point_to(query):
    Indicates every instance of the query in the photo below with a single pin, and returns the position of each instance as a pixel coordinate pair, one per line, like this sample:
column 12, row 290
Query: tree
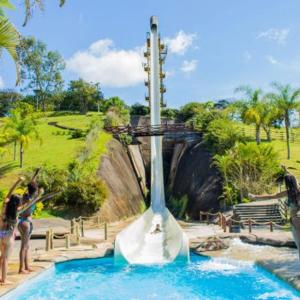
column 41, row 69
column 252, row 108
column 8, row 98
column 170, row 113
column 21, row 128
column 31, row 4
column 287, row 100
column 9, row 36
column 82, row 96
column 138, row 109
column 189, row 110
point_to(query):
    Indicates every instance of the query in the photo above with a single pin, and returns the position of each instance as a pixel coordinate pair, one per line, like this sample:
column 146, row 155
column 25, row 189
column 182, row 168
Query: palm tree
column 269, row 114
column 252, row 108
column 21, row 129
column 287, row 100
column 9, row 36
column 30, row 4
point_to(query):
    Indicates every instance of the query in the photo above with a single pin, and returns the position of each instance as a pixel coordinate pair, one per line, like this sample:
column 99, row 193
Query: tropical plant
column 251, row 108
column 249, row 168
column 21, row 129
column 222, row 134
column 31, row 4
column 9, row 36
column 287, row 101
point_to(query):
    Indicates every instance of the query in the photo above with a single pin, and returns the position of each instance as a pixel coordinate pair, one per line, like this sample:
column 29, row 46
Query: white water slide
column 141, row 242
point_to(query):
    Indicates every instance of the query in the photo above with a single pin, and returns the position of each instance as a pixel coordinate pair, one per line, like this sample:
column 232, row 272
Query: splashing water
column 203, row 278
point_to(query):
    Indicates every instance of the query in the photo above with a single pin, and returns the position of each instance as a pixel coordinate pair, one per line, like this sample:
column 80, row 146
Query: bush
column 222, row 134
column 125, row 139
column 249, row 168
column 87, row 194
column 78, row 133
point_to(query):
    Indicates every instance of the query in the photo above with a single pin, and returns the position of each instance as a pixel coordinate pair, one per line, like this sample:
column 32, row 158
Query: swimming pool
column 204, row 278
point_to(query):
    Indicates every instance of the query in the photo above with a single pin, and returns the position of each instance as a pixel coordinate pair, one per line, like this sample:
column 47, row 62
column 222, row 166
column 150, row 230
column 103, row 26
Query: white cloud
column 181, row 42
column 291, row 65
column 278, row 35
column 112, row 67
column 1, row 83
column 189, row 66
column 272, row 60
column 247, row 55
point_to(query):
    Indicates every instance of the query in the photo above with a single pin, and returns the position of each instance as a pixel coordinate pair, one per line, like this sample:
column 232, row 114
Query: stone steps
column 259, row 212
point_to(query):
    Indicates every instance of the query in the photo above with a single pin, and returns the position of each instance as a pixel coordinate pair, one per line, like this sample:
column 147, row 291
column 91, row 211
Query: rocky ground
column 282, row 260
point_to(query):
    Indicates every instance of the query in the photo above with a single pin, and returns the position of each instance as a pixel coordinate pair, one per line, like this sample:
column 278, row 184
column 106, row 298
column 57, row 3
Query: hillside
column 56, row 147
column 279, row 143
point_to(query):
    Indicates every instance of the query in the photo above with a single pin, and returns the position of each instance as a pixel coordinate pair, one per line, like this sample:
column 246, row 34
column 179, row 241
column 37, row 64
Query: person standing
column 8, row 224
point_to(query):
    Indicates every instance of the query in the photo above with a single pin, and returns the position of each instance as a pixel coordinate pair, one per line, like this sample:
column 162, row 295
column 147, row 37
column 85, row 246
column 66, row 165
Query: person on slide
column 292, row 193
column 25, row 226
column 156, row 230
column 8, row 224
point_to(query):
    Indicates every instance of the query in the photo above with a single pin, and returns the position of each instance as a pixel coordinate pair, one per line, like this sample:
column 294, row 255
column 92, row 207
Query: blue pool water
column 204, row 278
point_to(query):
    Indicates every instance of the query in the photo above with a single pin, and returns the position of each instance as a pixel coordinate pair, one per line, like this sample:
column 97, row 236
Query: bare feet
column 23, row 272
column 6, row 282
column 29, row 270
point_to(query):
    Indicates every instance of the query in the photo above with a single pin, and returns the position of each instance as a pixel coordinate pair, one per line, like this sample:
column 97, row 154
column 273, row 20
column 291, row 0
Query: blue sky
column 214, row 45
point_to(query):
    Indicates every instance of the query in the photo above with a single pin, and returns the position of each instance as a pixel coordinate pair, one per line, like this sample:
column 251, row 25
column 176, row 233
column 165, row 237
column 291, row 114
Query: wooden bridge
column 152, row 130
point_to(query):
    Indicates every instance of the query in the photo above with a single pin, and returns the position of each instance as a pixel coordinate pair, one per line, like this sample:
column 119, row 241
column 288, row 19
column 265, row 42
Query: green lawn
column 55, row 149
column 279, row 143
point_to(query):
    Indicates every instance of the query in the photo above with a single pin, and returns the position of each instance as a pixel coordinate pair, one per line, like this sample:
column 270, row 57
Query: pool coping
column 46, row 260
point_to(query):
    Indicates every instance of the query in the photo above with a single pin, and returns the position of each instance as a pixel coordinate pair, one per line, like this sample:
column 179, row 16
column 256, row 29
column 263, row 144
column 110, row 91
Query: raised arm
column 20, row 179
column 269, row 196
column 36, row 200
column 35, row 174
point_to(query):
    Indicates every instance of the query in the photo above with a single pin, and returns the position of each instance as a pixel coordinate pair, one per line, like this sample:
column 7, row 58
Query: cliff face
column 197, row 178
column 125, row 198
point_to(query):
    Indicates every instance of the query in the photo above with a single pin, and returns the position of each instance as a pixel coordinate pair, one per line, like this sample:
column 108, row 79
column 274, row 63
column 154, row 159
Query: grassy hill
column 279, row 143
column 56, row 147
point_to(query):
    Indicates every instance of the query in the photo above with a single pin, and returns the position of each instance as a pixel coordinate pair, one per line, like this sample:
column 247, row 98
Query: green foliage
column 138, row 109
column 178, row 206
column 170, row 113
column 189, row 110
column 222, row 134
column 287, row 99
column 21, row 127
column 201, row 120
column 86, row 194
column 9, row 36
column 41, row 69
column 81, row 96
column 248, row 168
column 125, row 139
column 78, row 133
column 8, row 99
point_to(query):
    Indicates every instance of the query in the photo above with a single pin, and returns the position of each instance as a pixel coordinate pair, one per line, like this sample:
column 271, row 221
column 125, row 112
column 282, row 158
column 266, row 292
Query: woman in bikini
column 25, row 226
column 292, row 193
column 8, row 224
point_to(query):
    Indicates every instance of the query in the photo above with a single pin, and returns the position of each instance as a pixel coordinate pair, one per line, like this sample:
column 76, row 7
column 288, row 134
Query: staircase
column 260, row 211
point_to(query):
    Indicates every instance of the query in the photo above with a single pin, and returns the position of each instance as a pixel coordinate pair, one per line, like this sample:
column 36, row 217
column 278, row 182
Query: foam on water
column 203, row 278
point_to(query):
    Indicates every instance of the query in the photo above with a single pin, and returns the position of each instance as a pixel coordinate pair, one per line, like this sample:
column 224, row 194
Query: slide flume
column 139, row 244
column 155, row 237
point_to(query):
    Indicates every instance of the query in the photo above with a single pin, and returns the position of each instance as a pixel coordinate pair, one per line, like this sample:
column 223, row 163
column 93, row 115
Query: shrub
column 125, row 139
column 87, row 194
column 78, row 133
column 222, row 134
column 249, row 168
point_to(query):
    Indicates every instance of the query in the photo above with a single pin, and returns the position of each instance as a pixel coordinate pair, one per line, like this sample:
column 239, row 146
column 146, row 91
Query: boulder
column 197, row 178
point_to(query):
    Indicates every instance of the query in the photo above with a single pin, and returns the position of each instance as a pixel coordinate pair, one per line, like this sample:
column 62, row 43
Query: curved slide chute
column 139, row 244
